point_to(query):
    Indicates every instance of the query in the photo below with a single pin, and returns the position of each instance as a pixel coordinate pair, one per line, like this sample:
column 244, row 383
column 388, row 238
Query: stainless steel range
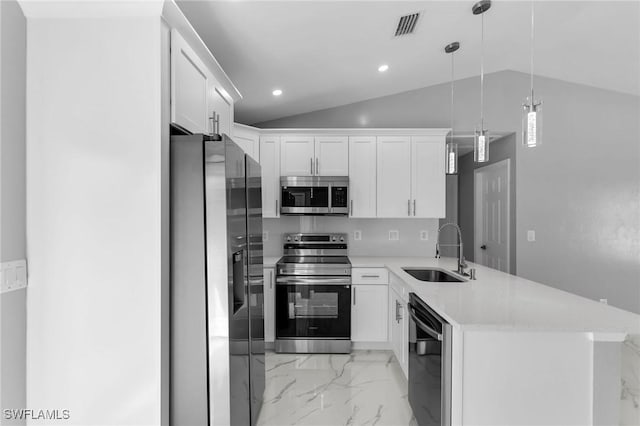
column 313, row 295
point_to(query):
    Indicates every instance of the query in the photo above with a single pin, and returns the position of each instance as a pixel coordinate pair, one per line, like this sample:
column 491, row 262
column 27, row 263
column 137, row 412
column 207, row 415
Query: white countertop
column 270, row 261
column 500, row 301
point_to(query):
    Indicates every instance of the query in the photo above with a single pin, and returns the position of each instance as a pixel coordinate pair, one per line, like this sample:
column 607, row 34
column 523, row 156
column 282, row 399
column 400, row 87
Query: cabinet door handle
column 276, row 207
column 311, row 165
column 271, row 282
column 408, row 207
column 414, row 207
column 354, row 296
column 370, row 276
column 351, row 208
column 215, row 122
column 317, row 166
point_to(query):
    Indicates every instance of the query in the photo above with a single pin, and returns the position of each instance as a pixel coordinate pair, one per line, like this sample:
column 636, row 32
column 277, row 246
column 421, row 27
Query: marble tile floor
column 361, row 388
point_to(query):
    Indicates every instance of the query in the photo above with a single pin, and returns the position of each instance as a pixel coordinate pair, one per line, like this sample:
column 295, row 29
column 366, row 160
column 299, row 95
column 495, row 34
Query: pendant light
column 481, row 139
column 451, row 164
column 532, row 109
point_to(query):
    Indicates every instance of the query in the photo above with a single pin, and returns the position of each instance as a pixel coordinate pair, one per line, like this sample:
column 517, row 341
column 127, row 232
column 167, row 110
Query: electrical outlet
column 394, row 235
column 265, row 236
column 424, row 235
column 531, row 235
column 605, row 301
column 357, row 235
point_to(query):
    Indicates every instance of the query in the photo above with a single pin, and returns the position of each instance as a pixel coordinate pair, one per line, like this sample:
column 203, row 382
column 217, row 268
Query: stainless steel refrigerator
column 217, row 372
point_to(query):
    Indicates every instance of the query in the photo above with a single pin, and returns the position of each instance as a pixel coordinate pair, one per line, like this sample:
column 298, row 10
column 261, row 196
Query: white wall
column 94, row 161
column 13, row 314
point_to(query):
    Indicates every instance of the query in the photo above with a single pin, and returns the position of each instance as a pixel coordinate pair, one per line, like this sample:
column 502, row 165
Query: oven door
column 313, row 307
column 304, row 200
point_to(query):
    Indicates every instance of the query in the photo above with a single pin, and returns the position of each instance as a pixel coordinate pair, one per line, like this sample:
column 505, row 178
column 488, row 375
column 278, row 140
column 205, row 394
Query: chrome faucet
column 461, row 262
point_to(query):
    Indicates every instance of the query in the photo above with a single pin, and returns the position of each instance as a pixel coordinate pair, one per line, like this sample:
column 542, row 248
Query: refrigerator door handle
column 238, row 280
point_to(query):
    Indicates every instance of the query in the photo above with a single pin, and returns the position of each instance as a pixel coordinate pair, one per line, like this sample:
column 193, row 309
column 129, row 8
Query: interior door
column 332, row 156
column 394, row 176
column 492, row 209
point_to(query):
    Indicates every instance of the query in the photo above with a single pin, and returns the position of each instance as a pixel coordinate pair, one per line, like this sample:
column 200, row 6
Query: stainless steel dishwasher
column 429, row 365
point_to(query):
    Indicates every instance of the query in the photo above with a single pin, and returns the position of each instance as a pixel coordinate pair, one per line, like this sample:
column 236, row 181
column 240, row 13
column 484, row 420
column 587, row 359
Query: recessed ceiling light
column 277, row 92
column 383, row 68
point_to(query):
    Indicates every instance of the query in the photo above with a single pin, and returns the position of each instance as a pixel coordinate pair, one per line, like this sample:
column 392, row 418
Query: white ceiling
column 326, row 53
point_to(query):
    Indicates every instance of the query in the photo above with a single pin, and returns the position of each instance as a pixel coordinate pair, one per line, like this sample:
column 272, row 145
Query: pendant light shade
column 532, row 108
column 481, row 138
column 451, row 154
column 481, row 146
column 452, row 158
column 531, row 122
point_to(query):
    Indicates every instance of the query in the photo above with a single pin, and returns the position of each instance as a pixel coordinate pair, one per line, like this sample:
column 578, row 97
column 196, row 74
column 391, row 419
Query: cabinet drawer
column 370, row 276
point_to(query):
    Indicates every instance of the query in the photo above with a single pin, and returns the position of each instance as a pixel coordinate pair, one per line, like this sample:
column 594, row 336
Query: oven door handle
column 288, row 280
column 424, row 327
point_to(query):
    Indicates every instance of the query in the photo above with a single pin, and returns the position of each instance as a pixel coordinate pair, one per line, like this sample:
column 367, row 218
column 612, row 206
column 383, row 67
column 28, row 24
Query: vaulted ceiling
column 326, row 53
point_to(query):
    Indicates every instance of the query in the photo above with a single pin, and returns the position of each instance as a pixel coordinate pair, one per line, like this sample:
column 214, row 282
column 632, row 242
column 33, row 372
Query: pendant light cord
column 532, row 38
column 452, row 71
column 482, row 75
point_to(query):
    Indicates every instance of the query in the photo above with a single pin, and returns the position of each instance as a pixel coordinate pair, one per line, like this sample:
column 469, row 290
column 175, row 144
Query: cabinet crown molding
column 91, row 9
column 372, row 131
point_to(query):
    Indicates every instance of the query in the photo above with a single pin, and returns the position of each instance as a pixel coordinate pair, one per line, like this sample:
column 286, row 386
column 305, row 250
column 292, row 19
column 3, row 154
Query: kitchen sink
column 432, row 275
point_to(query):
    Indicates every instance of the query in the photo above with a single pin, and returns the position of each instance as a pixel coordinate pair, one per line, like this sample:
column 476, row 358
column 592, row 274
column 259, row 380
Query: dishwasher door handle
column 424, row 327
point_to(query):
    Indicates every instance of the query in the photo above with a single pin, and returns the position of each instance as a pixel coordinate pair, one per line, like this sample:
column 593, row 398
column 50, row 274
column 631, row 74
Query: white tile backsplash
column 375, row 234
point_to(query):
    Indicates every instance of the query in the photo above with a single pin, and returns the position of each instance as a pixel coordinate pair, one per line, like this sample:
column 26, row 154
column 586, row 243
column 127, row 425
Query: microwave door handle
column 420, row 324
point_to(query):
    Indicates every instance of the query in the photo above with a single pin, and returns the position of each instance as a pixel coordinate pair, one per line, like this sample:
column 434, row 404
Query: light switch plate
column 357, row 235
column 265, row 236
column 531, row 235
column 424, row 235
column 394, row 235
column 13, row 275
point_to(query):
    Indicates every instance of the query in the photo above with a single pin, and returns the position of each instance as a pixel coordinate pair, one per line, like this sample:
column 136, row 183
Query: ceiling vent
column 407, row 24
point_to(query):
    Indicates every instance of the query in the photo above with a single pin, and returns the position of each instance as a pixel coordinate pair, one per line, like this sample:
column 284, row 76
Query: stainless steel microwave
column 314, row 195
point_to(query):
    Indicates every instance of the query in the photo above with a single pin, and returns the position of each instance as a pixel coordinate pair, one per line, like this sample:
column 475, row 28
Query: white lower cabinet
column 399, row 328
column 369, row 312
column 269, row 305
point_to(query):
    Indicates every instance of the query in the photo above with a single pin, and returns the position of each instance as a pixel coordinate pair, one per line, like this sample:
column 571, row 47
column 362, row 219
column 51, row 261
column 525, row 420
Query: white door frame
column 477, row 207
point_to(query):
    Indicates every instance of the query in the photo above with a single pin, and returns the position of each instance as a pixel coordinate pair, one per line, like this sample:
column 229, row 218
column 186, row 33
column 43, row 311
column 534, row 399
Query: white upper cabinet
column 314, row 156
column 218, row 103
column 270, row 165
column 248, row 138
column 196, row 95
column 331, row 156
column 394, row 176
column 297, row 156
column 362, row 176
column 189, row 85
column 428, row 184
